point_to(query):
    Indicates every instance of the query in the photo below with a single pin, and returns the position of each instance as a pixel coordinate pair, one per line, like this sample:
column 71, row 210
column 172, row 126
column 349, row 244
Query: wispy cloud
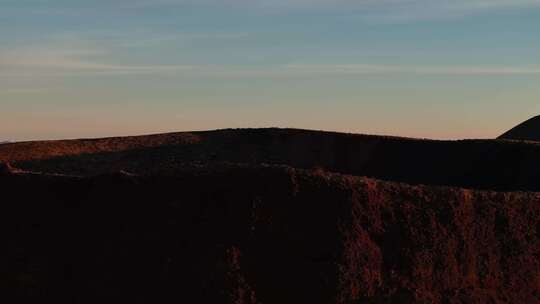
column 359, row 3
column 386, row 9
column 369, row 10
column 404, row 11
column 58, row 62
column 371, row 69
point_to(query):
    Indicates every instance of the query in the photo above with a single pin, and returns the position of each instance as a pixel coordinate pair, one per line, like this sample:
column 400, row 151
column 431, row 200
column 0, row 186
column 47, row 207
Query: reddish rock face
column 264, row 234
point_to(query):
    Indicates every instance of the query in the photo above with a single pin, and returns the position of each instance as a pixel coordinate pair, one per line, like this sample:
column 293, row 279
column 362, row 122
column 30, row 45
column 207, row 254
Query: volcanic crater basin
column 198, row 218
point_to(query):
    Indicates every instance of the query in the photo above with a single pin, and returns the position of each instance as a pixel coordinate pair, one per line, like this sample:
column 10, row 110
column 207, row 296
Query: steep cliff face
column 263, row 234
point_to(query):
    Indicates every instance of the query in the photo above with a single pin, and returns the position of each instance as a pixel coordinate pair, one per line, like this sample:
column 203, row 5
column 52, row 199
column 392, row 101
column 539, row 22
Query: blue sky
column 418, row 68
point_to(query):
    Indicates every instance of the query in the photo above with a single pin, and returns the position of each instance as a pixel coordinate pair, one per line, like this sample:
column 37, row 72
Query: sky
column 436, row 69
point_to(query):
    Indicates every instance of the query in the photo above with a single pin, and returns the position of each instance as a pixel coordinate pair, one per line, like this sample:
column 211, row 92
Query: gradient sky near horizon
column 418, row 68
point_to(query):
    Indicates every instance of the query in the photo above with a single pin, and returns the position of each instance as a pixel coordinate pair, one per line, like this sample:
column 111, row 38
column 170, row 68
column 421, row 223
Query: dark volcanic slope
column 268, row 235
column 483, row 164
column 210, row 217
column 528, row 130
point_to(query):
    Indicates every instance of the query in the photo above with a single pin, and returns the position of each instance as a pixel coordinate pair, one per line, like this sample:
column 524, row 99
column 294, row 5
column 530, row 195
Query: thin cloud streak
column 371, row 11
column 371, row 8
column 50, row 62
column 370, row 69
column 55, row 61
column 334, row 3
column 368, row 11
column 400, row 12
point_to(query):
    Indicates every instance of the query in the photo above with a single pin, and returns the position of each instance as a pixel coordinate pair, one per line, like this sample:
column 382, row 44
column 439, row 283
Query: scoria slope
column 263, row 234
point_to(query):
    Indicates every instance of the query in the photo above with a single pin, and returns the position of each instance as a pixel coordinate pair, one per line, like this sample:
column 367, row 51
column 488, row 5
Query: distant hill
column 528, row 130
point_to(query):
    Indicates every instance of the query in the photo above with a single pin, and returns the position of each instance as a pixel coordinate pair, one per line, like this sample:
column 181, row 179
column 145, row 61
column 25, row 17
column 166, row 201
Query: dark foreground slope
column 528, row 130
column 272, row 235
column 481, row 164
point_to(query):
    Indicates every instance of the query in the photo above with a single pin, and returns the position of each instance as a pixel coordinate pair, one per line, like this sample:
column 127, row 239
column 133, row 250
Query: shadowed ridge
column 528, row 130
column 480, row 164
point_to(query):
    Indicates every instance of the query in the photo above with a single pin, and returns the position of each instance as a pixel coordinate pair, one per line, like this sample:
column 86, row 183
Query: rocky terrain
column 270, row 216
column 481, row 164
